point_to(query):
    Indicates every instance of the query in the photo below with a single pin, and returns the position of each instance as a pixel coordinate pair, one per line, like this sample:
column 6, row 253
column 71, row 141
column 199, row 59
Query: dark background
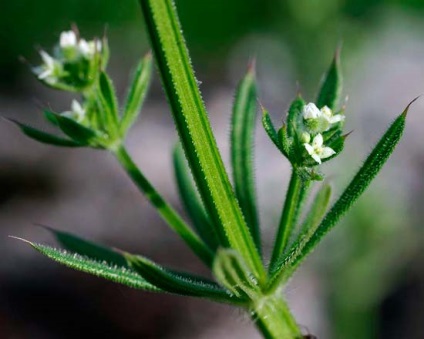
column 367, row 280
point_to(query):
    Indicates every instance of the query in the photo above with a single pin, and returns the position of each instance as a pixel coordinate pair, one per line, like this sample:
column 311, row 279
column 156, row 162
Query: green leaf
column 86, row 248
column 51, row 117
column 76, row 131
column 242, row 143
column 232, row 272
column 294, row 120
column 191, row 200
column 180, row 283
column 108, row 104
column 78, row 262
column 317, row 210
column 44, row 137
column 371, row 167
column 269, row 128
column 331, row 87
column 195, row 131
column 137, row 93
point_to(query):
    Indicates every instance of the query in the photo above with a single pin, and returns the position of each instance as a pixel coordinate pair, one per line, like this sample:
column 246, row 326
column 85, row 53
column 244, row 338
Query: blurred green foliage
column 310, row 29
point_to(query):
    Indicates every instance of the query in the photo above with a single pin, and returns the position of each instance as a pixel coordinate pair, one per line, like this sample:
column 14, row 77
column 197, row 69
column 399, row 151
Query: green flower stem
column 165, row 210
column 288, row 216
column 274, row 319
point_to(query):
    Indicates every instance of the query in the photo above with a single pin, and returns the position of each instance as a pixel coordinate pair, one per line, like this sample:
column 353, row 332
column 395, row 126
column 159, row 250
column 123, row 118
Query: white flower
column 317, row 150
column 88, row 49
column 311, row 111
column 328, row 114
column 77, row 112
column 49, row 69
column 68, row 39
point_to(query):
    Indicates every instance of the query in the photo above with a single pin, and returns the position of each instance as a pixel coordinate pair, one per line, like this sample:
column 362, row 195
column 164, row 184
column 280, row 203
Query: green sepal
column 243, row 123
column 269, row 128
column 87, row 248
column 371, row 167
column 108, row 104
column 232, row 272
column 331, row 87
column 136, row 93
column 191, row 200
column 121, row 275
column 180, row 283
column 44, row 137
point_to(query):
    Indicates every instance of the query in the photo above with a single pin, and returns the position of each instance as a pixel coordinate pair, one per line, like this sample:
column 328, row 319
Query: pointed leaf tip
column 21, row 239
column 251, row 67
column 347, row 134
column 405, row 112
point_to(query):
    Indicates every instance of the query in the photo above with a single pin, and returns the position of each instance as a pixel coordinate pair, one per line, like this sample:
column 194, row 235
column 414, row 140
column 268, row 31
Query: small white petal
column 318, row 141
column 309, row 148
column 311, row 111
column 84, row 47
column 327, row 152
column 68, row 39
column 316, row 158
column 336, row 118
column 47, row 59
column 43, row 75
column 76, row 107
column 326, row 112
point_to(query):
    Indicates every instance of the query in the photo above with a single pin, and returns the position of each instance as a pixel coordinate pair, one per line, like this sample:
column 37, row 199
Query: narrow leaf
column 316, row 212
column 51, row 117
column 195, row 131
column 232, row 272
column 191, row 200
column 44, row 137
column 371, row 167
column 269, row 128
column 180, row 283
column 78, row 262
column 76, row 131
column 86, row 248
column 242, row 143
column 294, row 119
column 331, row 87
column 136, row 93
column 108, row 104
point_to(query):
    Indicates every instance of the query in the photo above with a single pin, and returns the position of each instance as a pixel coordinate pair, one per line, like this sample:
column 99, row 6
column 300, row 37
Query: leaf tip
column 21, row 239
column 251, row 67
column 405, row 112
column 347, row 134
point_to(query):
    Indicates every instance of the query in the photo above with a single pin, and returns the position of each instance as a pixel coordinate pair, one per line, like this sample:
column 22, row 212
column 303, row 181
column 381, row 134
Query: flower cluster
column 318, row 121
column 74, row 64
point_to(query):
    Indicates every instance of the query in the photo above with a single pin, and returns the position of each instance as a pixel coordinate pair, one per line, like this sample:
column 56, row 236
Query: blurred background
column 365, row 281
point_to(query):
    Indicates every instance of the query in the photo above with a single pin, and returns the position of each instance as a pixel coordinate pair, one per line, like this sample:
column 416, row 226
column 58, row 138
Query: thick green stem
column 274, row 319
column 165, row 210
column 288, row 216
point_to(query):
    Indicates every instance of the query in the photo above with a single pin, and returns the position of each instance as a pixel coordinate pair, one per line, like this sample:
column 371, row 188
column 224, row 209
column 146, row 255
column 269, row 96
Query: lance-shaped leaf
column 76, row 131
column 242, row 144
column 269, row 128
column 317, row 210
column 191, row 200
column 195, row 131
column 180, row 283
column 44, row 137
column 121, row 275
column 371, row 167
column 232, row 272
column 294, row 120
column 331, row 86
column 136, row 93
column 108, row 104
column 87, row 248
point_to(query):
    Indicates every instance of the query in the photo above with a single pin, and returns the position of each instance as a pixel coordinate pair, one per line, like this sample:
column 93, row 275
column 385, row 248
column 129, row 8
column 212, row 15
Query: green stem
column 274, row 319
column 165, row 210
column 288, row 216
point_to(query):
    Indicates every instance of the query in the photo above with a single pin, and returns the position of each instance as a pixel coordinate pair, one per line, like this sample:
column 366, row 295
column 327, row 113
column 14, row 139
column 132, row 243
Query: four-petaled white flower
column 320, row 120
column 68, row 39
column 77, row 112
column 317, row 150
column 49, row 69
